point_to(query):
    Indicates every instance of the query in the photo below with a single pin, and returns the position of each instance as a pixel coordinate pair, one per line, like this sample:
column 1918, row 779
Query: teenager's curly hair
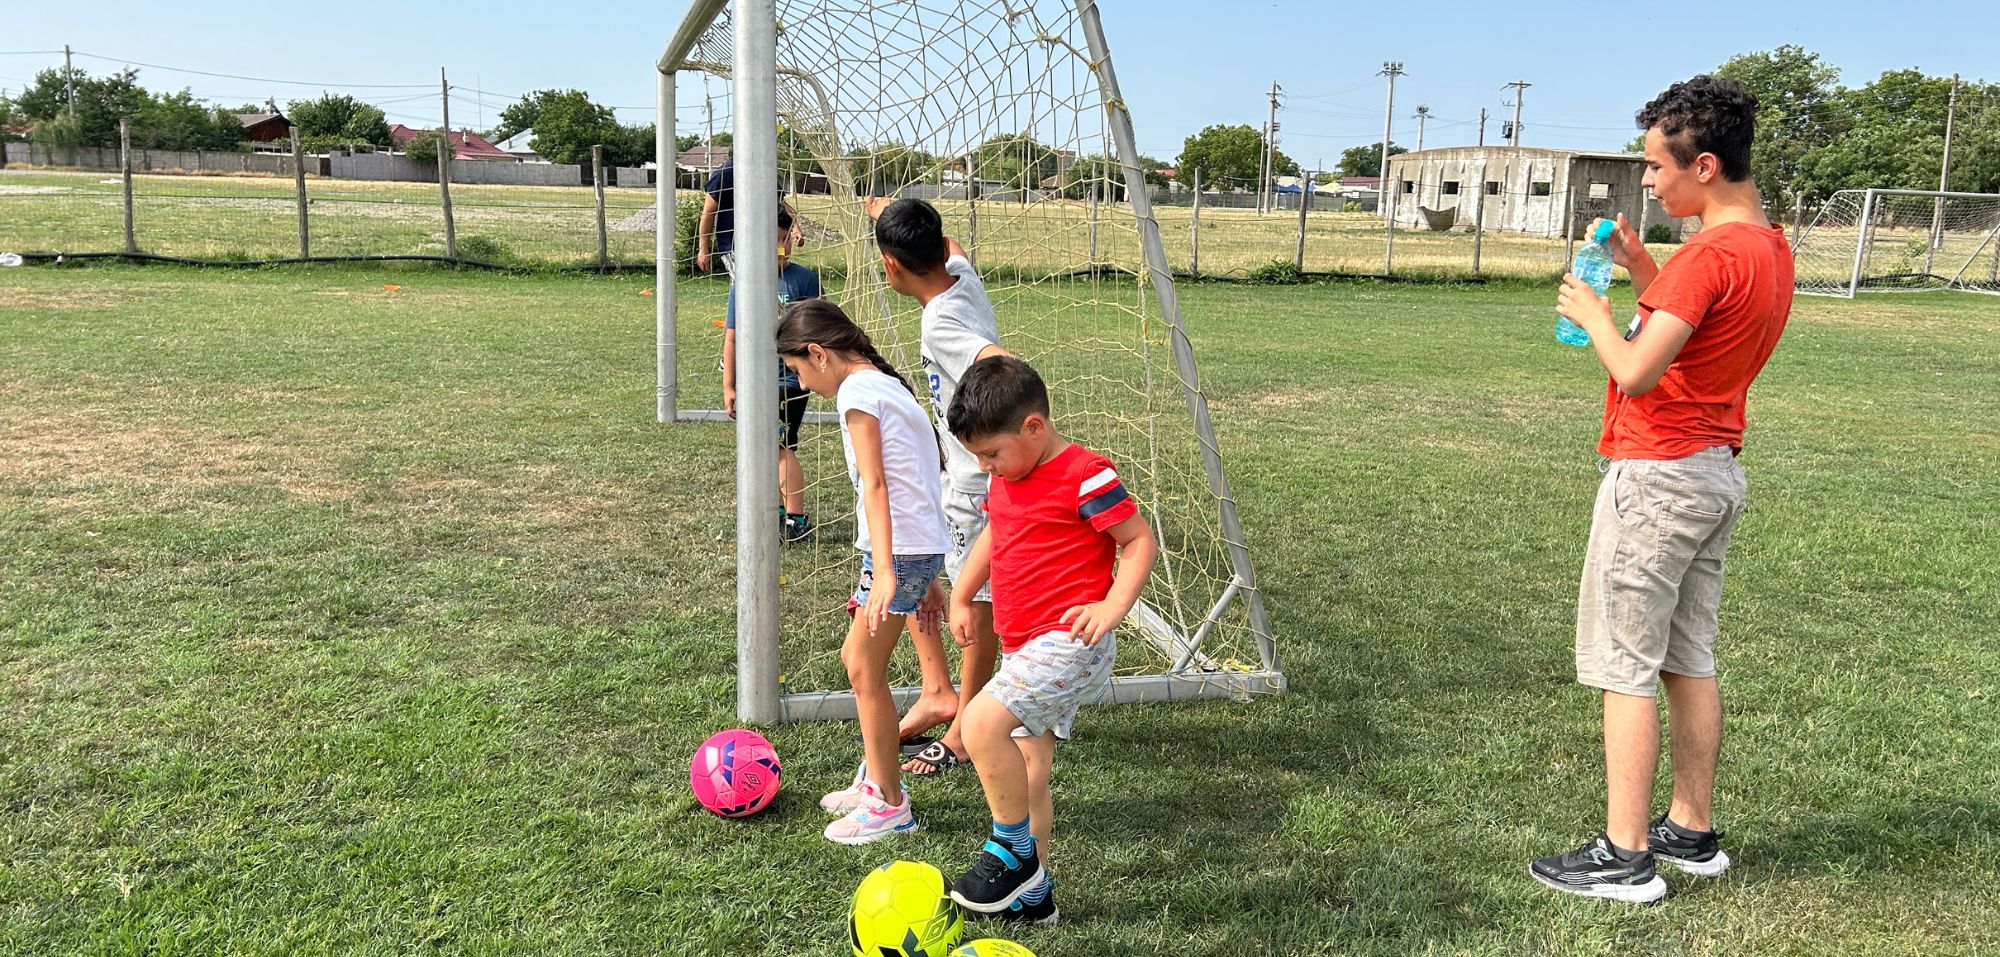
column 1706, row 114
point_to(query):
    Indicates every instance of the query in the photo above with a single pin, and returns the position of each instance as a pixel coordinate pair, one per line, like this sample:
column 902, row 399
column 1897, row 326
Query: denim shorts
column 914, row 574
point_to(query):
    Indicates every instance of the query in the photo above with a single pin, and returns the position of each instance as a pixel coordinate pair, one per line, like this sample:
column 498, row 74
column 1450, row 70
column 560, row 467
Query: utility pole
column 1520, row 88
column 69, row 81
column 1270, row 149
column 1482, row 126
column 1423, row 115
column 1944, row 178
column 1384, row 196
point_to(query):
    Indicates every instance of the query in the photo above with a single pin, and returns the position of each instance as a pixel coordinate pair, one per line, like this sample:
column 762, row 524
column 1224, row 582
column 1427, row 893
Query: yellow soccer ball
column 904, row 909
column 992, row 947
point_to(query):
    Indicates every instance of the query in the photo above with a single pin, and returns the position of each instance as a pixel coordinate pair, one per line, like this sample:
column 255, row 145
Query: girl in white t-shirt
column 894, row 462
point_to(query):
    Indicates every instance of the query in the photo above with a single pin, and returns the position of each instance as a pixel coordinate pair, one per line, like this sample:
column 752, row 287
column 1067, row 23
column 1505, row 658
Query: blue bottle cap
column 1604, row 230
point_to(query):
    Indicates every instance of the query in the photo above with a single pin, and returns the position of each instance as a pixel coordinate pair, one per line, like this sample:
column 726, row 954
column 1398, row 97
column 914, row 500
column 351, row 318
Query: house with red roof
column 466, row 145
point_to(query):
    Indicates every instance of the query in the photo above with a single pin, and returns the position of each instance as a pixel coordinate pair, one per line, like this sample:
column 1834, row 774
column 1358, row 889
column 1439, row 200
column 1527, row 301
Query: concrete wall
column 399, row 168
column 1579, row 188
column 629, row 177
column 193, row 161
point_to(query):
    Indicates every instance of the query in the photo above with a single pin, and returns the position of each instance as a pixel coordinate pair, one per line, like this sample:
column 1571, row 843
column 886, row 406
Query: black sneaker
column 1598, row 870
column 997, row 879
column 1044, row 913
column 798, row 528
column 1696, row 852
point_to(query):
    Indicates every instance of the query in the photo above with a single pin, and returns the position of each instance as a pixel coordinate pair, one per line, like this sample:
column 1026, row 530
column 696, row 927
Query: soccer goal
column 1900, row 240
column 1007, row 116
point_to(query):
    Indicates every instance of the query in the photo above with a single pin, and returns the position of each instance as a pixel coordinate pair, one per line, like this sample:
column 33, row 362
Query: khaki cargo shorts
column 1652, row 580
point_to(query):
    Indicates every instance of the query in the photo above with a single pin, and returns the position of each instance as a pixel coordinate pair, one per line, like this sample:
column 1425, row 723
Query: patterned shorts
column 1049, row 678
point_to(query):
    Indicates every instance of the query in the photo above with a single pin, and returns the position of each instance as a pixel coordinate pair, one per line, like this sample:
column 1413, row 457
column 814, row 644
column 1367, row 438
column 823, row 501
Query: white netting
column 1905, row 241
column 992, row 112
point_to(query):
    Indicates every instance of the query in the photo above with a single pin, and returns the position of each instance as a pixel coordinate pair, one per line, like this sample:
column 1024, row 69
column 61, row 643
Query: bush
column 1659, row 233
column 687, row 217
column 483, row 249
column 1350, row 206
column 1277, row 272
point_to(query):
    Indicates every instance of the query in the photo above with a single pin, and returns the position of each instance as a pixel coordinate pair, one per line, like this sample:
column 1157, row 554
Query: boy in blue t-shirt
column 795, row 283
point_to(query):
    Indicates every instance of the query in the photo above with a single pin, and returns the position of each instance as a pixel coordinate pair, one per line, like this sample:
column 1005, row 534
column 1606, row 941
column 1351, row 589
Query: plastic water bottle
column 1592, row 265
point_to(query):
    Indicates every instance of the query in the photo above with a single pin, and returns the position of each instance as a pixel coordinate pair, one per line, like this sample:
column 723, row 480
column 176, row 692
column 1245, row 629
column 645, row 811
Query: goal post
column 1009, row 118
column 1900, row 240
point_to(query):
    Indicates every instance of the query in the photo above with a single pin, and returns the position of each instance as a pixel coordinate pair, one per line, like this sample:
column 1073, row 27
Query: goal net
column 1897, row 240
column 1006, row 116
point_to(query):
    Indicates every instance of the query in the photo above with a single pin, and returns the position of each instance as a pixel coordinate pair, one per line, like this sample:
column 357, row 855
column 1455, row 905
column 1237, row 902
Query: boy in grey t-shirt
column 959, row 329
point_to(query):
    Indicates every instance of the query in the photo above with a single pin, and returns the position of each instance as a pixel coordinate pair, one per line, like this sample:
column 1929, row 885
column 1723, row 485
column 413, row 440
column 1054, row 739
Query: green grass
column 340, row 620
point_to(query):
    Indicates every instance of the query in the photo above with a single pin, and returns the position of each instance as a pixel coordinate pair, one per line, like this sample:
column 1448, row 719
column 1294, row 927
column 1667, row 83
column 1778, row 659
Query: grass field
column 342, row 620
column 251, row 217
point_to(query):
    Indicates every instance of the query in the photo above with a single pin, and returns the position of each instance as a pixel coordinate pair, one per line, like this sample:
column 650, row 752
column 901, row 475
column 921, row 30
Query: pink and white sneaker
column 872, row 819
column 845, row 799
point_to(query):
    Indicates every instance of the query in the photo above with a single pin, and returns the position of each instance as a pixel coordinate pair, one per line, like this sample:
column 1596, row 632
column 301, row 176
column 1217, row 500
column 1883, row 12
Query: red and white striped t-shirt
column 1051, row 547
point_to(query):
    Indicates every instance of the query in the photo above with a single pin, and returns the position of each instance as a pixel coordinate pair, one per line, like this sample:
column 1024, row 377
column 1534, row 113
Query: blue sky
column 1183, row 65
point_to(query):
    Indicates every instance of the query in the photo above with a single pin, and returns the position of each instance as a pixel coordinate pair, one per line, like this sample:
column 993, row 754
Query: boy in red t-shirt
column 1058, row 520
column 1673, row 425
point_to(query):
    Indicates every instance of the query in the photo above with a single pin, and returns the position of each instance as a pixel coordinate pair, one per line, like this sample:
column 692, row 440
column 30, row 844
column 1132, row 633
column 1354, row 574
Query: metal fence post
column 299, row 180
column 125, row 167
column 1194, row 236
column 597, row 181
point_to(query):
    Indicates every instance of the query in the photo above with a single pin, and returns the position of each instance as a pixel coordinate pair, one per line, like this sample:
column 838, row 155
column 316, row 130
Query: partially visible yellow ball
column 992, row 947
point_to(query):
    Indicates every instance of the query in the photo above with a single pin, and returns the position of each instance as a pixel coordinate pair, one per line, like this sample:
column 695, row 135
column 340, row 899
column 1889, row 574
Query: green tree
column 10, row 120
column 1229, row 156
column 423, row 148
column 100, row 101
column 1366, row 160
column 336, row 118
column 1888, row 134
column 177, row 121
column 567, row 124
column 1017, row 160
column 1795, row 92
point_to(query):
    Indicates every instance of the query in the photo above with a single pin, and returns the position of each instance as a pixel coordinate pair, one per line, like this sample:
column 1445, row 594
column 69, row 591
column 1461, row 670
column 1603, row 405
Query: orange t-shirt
column 1733, row 284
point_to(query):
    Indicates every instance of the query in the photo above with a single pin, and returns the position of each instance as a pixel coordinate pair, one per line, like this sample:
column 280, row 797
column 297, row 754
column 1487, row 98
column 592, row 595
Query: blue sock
column 1016, row 837
column 1038, row 893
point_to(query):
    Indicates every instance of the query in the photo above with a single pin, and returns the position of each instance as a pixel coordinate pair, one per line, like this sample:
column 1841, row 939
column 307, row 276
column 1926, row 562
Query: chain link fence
column 244, row 218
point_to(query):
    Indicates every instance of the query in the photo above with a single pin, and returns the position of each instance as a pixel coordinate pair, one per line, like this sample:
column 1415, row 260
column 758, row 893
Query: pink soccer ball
column 735, row 773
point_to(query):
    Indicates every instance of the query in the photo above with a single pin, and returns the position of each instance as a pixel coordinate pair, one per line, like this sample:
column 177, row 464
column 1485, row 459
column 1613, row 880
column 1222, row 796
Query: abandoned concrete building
column 1540, row 192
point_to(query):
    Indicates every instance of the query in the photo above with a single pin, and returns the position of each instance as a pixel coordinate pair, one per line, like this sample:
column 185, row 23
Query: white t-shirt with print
column 957, row 324
column 910, row 464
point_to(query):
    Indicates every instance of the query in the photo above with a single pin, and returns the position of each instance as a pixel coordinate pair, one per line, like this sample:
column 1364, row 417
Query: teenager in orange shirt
column 1673, row 426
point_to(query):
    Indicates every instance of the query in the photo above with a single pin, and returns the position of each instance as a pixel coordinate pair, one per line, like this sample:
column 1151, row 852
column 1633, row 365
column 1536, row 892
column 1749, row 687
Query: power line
column 256, row 79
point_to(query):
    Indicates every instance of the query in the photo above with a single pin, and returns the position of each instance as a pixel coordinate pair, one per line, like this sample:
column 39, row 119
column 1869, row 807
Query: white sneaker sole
column 1629, row 893
column 997, row 906
column 870, row 837
column 1713, row 867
